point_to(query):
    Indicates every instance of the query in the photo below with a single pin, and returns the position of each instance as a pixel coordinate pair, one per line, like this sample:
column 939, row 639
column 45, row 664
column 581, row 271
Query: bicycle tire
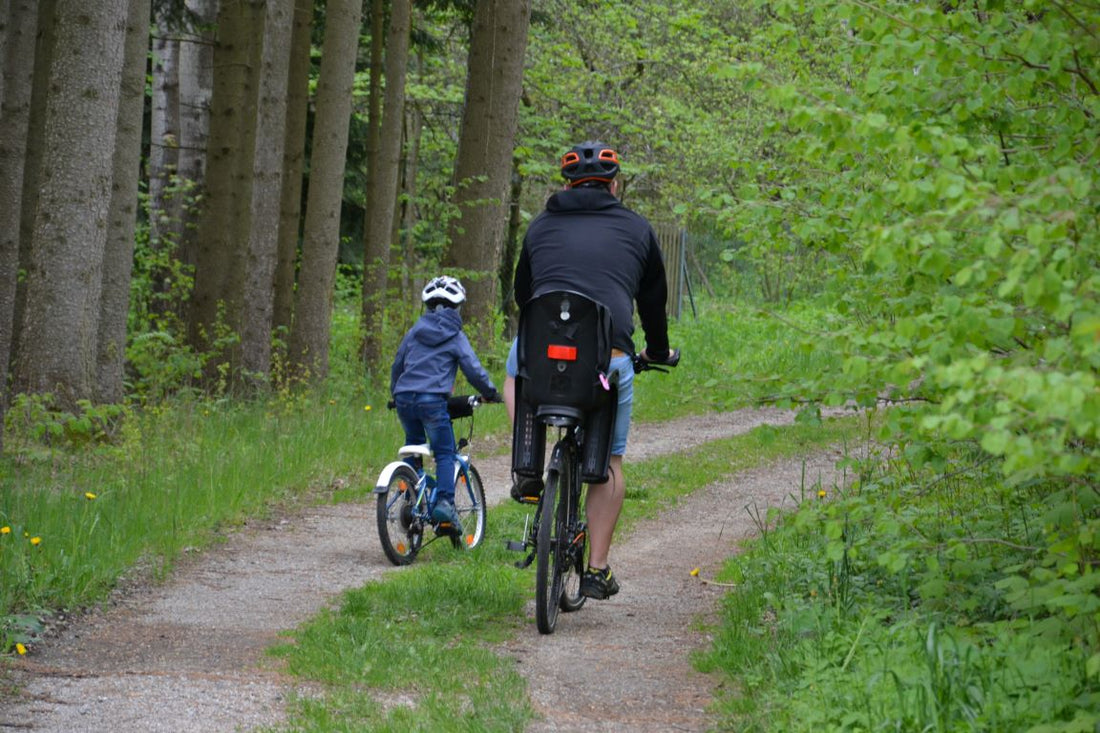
column 575, row 554
column 547, row 556
column 470, row 507
column 398, row 529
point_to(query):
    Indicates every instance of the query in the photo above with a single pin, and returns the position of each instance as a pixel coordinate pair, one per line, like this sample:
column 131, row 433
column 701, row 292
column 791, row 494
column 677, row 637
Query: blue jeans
column 425, row 420
column 626, row 395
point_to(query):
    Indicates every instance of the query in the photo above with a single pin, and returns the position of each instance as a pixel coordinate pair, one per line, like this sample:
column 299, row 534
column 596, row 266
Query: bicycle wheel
column 575, row 553
column 549, row 548
column 470, row 506
column 398, row 529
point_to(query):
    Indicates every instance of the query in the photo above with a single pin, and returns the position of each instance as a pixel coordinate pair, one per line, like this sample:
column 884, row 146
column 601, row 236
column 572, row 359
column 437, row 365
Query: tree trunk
column 20, row 21
column 483, row 168
column 44, row 46
column 383, row 183
column 508, row 307
column 225, row 220
column 164, row 133
column 294, row 148
column 58, row 335
column 309, row 343
column 267, row 183
column 196, row 88
column 119, row 252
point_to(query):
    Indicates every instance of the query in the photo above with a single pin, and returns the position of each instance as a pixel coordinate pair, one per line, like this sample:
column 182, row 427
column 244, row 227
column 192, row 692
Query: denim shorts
column 626, row 395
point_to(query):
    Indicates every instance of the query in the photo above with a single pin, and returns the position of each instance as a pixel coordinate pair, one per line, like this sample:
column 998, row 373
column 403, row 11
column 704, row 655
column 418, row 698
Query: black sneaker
column 527, row 490
column 599, row 584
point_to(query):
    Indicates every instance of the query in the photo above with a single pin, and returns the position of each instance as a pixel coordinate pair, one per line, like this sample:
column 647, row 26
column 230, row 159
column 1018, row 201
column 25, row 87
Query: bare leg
column 510, row 397
column 603, row 505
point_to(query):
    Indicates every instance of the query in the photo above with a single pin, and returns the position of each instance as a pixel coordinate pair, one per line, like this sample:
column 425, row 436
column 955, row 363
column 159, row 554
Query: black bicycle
column 557, row 539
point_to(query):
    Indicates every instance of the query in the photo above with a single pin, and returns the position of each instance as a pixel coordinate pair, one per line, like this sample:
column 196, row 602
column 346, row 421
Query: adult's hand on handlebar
column 643, row 362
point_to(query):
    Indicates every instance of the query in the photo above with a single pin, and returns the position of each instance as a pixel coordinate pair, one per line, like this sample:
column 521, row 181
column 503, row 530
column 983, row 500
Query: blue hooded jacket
column 431, row 353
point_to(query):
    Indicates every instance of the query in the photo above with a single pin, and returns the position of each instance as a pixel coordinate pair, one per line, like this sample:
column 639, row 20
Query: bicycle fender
column 383, row 482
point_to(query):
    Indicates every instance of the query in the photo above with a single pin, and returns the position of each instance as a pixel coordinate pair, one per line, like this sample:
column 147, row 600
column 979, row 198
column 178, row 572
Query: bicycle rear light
column 563, row 353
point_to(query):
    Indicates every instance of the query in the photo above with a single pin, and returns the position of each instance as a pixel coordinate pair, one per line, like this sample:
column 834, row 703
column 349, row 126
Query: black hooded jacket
column 588, row 242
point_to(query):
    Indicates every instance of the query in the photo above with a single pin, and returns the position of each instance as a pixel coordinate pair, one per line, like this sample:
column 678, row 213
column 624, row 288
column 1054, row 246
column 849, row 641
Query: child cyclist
column 423, row 376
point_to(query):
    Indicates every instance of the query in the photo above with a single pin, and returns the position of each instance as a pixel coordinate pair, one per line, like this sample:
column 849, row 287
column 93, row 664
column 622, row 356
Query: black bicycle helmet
column 589, row 161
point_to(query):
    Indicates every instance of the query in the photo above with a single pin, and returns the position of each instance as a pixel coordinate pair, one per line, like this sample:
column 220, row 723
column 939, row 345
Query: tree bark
column 196, row 89
column 267, row 183
column 20, row 21
column 383, row 184
column 58, row 335
column 483, row 168
column 294, row 148
column 225, row 223
column 122, row 215
column 164, row 133
column 309, row 345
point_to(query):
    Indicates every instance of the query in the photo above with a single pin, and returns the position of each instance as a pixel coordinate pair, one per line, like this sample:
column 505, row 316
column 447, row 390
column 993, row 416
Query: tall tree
column 58, row 334
column 294, row 148
column 20, row 20
column 164, row 126
column 196, row 82
column 309, row 342
column 267, row 181
column 119, row 249
column 483, row 168
column 225, row 219
column 383, row 183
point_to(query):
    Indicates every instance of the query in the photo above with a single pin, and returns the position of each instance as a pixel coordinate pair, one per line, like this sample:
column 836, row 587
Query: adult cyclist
column 587, row 241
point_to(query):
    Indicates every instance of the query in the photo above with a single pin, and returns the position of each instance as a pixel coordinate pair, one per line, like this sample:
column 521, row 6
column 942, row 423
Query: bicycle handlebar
column 642, row 364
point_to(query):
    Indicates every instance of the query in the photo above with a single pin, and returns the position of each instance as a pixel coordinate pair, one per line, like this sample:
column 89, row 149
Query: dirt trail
column 188, row 655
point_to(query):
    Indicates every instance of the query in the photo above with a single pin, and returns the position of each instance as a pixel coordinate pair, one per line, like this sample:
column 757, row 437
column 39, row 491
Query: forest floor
column 188, row 654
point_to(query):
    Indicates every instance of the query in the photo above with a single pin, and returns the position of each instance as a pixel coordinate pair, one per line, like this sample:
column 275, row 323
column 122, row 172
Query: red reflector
column 565, row 353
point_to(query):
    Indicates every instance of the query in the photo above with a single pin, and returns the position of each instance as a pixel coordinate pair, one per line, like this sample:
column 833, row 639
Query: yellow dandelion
column 36, row 540
column 694, row 572
column 5, row 530
column 821, row 493
column 366, row 408
column 89, row 495
column 20, row 649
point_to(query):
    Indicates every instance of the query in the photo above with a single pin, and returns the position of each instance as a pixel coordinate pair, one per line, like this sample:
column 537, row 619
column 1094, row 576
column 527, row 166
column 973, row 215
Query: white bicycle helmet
column 444, row 290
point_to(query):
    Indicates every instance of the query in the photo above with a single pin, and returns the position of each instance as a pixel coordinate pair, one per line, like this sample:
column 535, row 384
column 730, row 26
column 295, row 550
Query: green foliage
column 896, row 604
column 943, row 163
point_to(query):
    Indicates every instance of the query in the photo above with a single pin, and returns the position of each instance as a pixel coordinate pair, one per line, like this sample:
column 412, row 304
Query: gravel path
column 188, row 655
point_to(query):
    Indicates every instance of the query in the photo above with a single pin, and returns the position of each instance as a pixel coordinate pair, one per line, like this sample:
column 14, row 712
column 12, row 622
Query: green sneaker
column 599, row 584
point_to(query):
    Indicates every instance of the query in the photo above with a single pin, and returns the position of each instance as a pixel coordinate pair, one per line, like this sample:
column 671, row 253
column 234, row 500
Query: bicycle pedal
column 516, row 545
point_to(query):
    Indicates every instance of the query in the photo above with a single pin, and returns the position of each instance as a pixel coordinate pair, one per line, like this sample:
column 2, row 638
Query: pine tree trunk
column 267, row 183
column 196, row 89
column 290, row 211
column 383, row 184
column 20, row 21
column 225, row 220
column 309, row 344
column 58, row 335
column 164, row 134
column 483, row 168
column 119, row 251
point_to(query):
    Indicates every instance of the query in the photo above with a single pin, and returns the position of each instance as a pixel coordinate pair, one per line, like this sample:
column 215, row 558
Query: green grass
column 888, row 606
column 174, row 479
